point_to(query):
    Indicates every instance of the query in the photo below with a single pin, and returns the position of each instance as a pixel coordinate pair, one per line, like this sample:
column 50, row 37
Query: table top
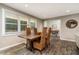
column 30, row 37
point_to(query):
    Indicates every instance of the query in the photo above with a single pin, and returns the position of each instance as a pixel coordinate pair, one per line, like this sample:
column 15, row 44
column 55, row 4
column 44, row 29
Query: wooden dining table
column 30, row 39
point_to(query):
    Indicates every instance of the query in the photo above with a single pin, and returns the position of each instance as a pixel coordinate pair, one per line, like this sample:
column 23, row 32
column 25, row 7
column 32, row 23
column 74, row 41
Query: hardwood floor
column 58, row 47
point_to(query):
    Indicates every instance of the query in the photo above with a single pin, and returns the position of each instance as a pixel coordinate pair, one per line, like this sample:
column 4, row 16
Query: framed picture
column 71, row 23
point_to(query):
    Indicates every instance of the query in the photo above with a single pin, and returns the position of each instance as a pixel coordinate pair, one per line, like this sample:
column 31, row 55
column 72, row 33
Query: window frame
column 22, row 24
column 11, row 24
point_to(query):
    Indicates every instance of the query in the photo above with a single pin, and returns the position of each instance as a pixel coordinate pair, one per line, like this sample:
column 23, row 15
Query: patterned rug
column 57, row 47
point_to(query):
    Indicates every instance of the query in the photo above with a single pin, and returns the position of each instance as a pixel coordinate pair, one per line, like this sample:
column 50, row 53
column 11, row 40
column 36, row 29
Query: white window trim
column 11, row 32
column 19, row 30
column 3, row 21
column 4, row 33
column 21, row 24
column 16, row 32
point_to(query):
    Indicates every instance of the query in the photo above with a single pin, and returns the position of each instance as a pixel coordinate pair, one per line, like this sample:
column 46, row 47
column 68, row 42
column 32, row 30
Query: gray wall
column 0, row 21
column 66, row 33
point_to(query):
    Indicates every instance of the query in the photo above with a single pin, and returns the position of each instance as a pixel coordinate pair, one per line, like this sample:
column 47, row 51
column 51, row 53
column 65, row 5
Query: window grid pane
column 9, row 20
column 23, row 22
column 11, row 25
column 23, row 25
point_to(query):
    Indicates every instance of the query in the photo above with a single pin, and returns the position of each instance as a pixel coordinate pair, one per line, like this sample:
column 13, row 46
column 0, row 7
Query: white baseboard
column 7, row 47
column 67, row 39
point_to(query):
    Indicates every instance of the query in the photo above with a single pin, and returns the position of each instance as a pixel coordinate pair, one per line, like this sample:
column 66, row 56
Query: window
column 32, row 24
column 11, row 25
column 23, row 25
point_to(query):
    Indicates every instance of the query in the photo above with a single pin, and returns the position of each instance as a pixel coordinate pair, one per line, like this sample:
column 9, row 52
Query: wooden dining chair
column 45, row 29
column 35, row 31
column 39, row 33
column 41, row 45
column 28, row 31
column 48, row 37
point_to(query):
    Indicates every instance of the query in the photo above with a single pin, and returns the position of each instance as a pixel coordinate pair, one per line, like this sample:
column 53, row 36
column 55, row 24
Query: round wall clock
column 71, row 23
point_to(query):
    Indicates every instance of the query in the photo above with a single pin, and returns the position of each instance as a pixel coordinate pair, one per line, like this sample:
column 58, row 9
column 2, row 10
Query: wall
column 66, row 33
column 55, row 24
column 7, row 41
column 69, row 34
column 40, row 25
column 0, row 21
column 10, row 41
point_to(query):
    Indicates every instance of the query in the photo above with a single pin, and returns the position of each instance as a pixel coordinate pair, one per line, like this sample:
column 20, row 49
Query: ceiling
column 46, row 10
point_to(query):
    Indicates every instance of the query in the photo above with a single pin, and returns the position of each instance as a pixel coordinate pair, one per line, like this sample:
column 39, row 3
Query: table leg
column 29, row 45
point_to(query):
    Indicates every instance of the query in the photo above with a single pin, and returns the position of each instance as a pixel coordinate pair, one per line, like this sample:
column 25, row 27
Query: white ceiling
column 46, row 10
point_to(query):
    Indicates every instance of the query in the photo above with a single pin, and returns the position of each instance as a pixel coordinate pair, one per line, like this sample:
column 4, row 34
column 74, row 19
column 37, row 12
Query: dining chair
column 39, row 33
column 35, row 31
column 28, row 31
column 45, row 29
column 40, row 45
column 48, row 37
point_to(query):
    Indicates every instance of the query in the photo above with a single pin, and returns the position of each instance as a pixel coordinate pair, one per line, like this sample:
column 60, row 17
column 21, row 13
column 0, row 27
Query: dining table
column 30, row 39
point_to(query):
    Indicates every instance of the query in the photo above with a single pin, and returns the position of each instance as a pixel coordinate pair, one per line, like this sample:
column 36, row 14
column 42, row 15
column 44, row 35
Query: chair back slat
column 43, row 41
column 35, row 31
column 48, row 36
column 28, row 31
